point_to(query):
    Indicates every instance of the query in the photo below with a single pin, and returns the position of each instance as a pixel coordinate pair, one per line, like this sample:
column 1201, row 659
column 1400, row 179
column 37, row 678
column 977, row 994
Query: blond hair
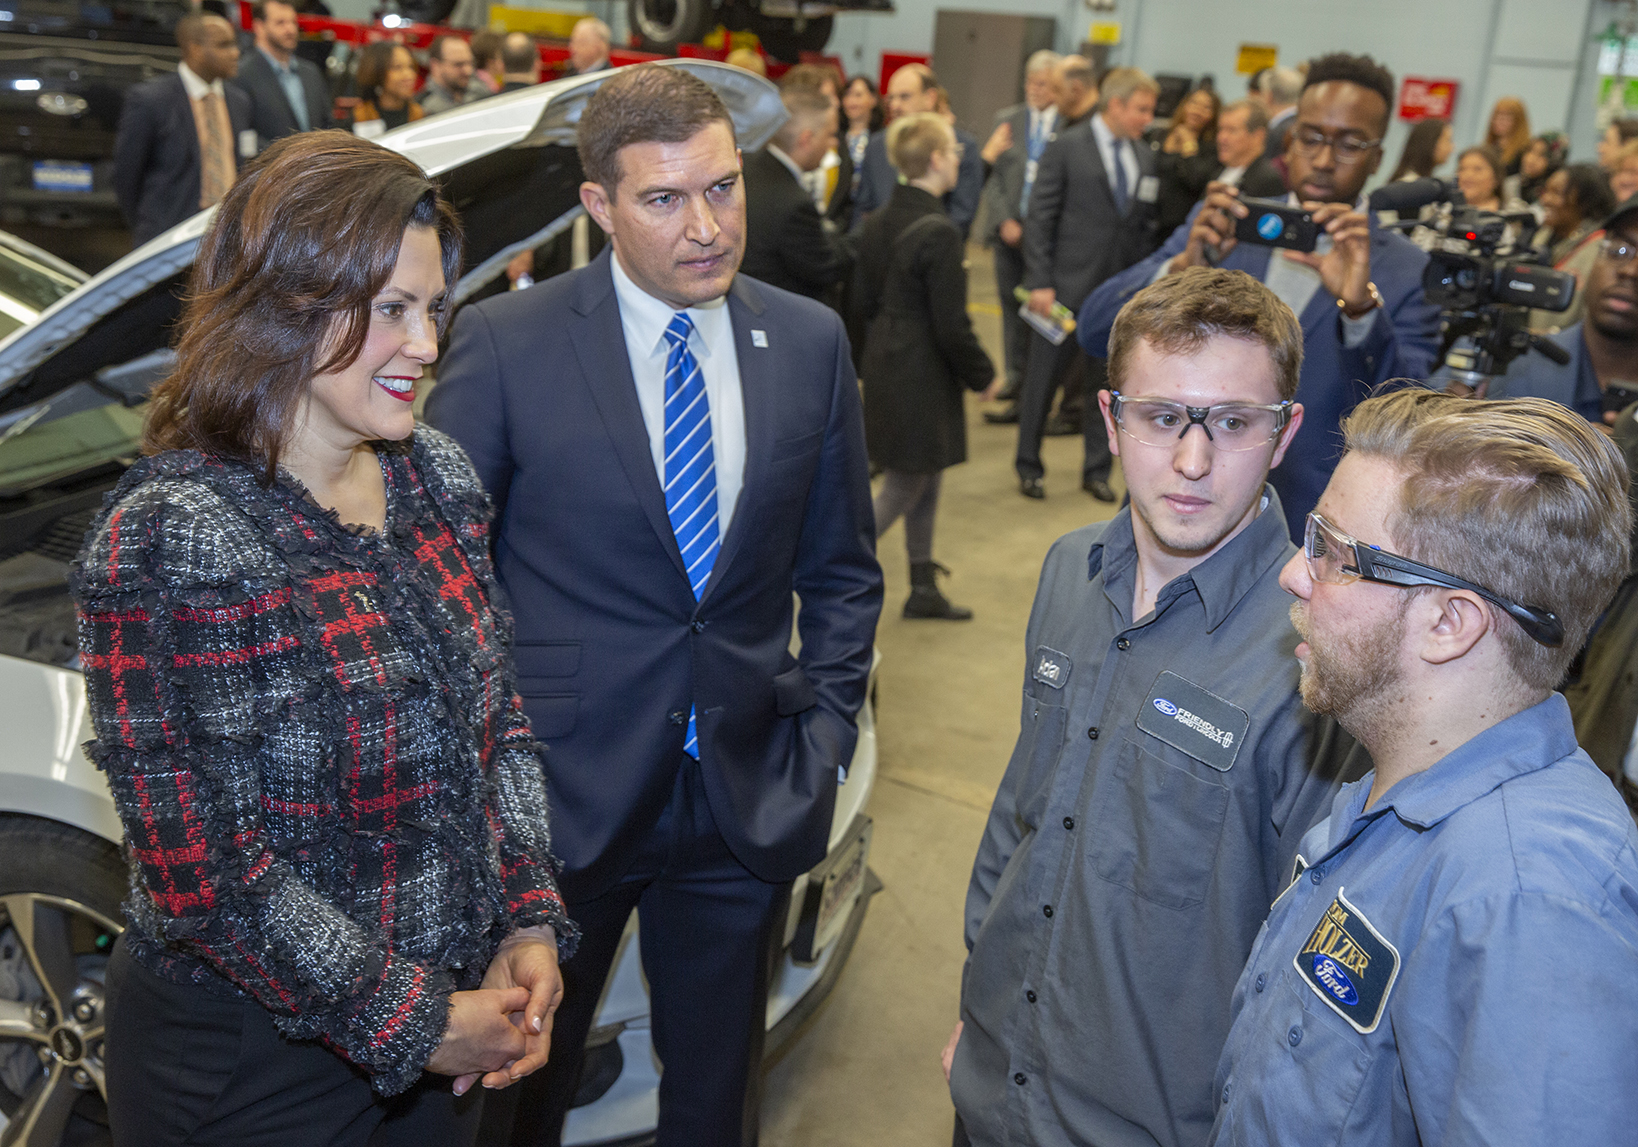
column 913, row 140
column 1178, row 313
column 1123, row 83
column 1521, row 496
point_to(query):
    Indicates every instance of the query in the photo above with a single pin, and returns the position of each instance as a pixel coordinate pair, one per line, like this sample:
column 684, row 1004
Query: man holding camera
column 1358, row 294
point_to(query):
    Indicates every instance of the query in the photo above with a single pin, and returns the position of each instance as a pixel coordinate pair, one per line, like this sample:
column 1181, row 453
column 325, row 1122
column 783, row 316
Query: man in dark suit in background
column 914, row 88
column 181, row 136
column 786, row 243
column 694, row 456
column 1242, row 135
column 1091, row 214
column 520, row 62
column 287, row 94
column 1028, row 127
column 1358, row 296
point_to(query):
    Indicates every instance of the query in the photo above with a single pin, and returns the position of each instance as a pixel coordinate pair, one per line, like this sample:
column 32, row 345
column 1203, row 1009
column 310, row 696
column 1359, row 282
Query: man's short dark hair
column 647, row 103
column 191, row 28
column 518, row 53
column 1350, row 69
column 258, row 10
column 1590, row 189
column 436, row 50
column 486, row 46
column 1256, row 116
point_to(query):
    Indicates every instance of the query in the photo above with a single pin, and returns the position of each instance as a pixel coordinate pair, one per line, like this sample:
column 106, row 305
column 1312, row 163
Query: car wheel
column 60, row 890
column 786, row 39
column 663, row 25
column 426, row 11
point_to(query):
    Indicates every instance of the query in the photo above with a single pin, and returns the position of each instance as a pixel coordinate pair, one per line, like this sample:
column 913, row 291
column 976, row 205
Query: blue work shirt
column 1457, row 965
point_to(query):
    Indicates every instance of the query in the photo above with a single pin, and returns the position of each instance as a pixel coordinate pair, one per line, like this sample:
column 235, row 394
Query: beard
column 1350, row 678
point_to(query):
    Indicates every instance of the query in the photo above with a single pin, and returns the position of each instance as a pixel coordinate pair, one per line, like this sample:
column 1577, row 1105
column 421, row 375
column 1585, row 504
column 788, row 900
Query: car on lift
column 74, row 374
column 786, row 28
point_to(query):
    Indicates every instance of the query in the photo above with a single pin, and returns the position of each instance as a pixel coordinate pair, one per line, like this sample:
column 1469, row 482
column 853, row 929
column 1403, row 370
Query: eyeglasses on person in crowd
column 1228, row 425
column 1346, row 148
column 1618, row 250
column 1334, row 558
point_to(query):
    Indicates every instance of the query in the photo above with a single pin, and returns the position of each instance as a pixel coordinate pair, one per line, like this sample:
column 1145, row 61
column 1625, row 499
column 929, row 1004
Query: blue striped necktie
column 690, row 470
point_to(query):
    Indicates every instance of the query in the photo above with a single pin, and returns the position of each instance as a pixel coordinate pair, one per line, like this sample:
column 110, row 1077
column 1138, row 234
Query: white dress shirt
column 197, row 88
column 644, row 319
column 1108, row 150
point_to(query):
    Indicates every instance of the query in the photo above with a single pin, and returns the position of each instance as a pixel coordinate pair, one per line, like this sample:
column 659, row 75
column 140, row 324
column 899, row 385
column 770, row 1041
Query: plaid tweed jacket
column 331, row 798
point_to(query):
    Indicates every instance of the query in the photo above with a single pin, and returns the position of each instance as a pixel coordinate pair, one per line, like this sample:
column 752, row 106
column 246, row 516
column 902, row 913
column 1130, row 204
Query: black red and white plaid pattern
column 331, row 798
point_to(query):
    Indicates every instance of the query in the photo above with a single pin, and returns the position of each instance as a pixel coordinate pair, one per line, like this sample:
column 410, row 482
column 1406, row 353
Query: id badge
column 1148, row 189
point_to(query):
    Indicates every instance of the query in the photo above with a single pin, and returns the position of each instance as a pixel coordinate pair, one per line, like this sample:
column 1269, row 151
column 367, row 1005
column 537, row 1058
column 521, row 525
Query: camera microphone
column 1408, row 197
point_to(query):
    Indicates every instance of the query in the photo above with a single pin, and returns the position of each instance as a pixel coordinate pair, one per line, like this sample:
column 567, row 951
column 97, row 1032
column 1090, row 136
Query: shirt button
column 1316, row 875
column 1069, row 823
column 1261, row 980
column 1047, row 911
column 1295, row 1036
column 1020, row 1079
column 1123, row 645
column 1092, row 733
column 1030, row 995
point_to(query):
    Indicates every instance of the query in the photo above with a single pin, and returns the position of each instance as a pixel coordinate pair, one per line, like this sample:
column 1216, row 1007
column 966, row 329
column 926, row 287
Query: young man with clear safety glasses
column 1452, row 961
column 1160, row 782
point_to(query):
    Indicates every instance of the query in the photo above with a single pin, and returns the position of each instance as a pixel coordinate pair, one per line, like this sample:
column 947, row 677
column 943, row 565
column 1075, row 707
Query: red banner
column 1421, row 98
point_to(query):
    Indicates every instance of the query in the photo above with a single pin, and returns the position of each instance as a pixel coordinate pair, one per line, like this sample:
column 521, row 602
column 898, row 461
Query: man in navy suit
column 181, row 137
column 1358, row 295
column 674, row 452
column 914, row 88
column 287, row 93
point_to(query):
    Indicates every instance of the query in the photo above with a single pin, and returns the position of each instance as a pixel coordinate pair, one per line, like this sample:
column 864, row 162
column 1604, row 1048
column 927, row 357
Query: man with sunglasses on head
column 1358, row 296
column 1153, row 804
column 1453, row 961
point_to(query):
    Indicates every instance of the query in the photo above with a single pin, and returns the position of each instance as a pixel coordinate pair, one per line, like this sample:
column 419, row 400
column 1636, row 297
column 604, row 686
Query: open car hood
column 507, row 163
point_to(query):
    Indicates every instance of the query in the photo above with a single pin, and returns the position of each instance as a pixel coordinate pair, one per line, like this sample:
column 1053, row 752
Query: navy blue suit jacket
column 1334, row 378
column 156, row 154
column 611, row 646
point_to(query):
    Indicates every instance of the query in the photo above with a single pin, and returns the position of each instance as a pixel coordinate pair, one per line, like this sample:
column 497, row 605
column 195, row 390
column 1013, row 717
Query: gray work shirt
column 1147, row 819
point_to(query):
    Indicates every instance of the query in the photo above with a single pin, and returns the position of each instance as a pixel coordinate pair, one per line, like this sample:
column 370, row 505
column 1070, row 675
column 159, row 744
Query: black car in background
column 64, row 71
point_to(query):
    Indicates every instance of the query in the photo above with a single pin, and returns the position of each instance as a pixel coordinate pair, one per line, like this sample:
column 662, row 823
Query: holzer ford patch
column 1349, row 965
column 1201, row 724
column 1051, row 667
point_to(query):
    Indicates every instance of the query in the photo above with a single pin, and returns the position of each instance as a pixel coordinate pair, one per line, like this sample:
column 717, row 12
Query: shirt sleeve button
column 1123, row 644
column 1295, row 1036
column 1020, row 1079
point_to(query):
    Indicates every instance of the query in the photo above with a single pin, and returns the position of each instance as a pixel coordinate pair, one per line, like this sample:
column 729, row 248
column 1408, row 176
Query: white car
column 75, row 367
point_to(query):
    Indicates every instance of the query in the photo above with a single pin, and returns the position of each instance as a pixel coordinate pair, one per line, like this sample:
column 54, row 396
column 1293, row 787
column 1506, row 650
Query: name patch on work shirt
column 1201, row 724
column 1349, row 965
column 1051, row 667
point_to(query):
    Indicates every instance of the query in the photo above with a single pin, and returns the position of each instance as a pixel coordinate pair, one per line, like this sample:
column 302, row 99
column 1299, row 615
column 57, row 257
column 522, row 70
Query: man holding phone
column 1337, row 290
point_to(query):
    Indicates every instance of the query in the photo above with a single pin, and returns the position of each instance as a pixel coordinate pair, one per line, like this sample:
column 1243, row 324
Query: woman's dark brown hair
column 282, row 288
column 373, row 65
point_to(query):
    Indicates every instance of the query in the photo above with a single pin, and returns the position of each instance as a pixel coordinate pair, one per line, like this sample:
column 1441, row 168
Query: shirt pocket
column 1160, row 828
column 1040, row 745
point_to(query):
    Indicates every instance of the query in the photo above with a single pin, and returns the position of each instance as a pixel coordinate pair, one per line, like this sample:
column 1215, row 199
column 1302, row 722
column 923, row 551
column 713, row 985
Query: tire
column 784, row 41
column 426, row 11
column 64, row 887
column 664, row 25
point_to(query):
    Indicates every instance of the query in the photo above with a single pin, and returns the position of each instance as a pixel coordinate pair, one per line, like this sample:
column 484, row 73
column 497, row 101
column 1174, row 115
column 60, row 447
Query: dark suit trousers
column 1049, row 367
column 1015, row 333
column 706, row 926
column 186, row 1066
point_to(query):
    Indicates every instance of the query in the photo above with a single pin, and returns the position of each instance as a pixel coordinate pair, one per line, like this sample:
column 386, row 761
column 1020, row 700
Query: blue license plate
column 61, row 175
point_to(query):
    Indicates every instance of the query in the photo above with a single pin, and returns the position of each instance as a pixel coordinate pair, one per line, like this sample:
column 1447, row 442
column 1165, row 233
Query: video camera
column 1486, row 280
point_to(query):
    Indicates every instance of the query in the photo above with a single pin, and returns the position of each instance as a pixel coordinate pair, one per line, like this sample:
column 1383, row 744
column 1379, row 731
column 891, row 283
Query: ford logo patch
column 1334, row 980
column 1270, row 226
column 1165, row 706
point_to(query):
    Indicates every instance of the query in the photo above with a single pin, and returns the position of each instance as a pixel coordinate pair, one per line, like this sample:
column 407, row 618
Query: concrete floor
column 867, row 1069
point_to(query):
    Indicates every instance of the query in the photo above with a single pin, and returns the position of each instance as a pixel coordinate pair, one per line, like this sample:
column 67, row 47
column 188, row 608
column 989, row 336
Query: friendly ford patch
column 1051, row 667
column 1201, row 724
column 1349, row 965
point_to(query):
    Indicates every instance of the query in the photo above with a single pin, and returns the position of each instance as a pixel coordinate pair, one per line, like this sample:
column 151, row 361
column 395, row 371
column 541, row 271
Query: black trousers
column 184, row 1066
column 706, row 926
column 1049, row 367
column 1015, row 333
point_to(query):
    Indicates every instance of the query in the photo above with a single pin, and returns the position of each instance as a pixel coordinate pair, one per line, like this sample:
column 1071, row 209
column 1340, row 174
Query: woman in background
column 386, row 89
column 1426, row 148
column 1187, row 158
column 1479, row 177
column 344, row 909
column 1575, row 201
column 1509, row 132
column 1545, row 155
column 862, row 118
column 921, row 353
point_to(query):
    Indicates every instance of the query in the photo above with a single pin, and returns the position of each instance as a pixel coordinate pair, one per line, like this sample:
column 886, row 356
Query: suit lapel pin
column 759, row 338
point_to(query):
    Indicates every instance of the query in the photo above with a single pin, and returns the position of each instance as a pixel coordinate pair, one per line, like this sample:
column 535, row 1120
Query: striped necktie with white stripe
column 690, row 470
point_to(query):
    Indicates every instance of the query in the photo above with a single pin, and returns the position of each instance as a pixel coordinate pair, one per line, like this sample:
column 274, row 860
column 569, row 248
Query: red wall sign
column 1421, row 98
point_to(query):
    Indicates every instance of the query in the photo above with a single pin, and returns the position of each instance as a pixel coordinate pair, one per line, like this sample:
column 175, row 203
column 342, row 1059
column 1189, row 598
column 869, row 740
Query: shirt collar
column 196, row 88
column 649, row 316
column 790, row 164
column 288, row 68
column 1524, row 743
column 1106, row 137
column 1222, row 580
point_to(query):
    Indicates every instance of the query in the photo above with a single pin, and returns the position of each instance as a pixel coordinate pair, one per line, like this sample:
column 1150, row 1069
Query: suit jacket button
column 677, row 717
column 697, row 626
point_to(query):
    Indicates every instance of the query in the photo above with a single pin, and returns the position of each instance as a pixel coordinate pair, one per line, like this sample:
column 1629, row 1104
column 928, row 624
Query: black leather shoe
column 1098, row 488
column 1060, row 427
column 1032, row 488
column 1005, row 417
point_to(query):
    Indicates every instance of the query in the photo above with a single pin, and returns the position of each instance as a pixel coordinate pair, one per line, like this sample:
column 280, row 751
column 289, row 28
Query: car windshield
column 27, row 287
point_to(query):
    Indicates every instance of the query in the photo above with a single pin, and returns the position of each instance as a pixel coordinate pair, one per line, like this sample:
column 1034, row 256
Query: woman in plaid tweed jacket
column 333, row 806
